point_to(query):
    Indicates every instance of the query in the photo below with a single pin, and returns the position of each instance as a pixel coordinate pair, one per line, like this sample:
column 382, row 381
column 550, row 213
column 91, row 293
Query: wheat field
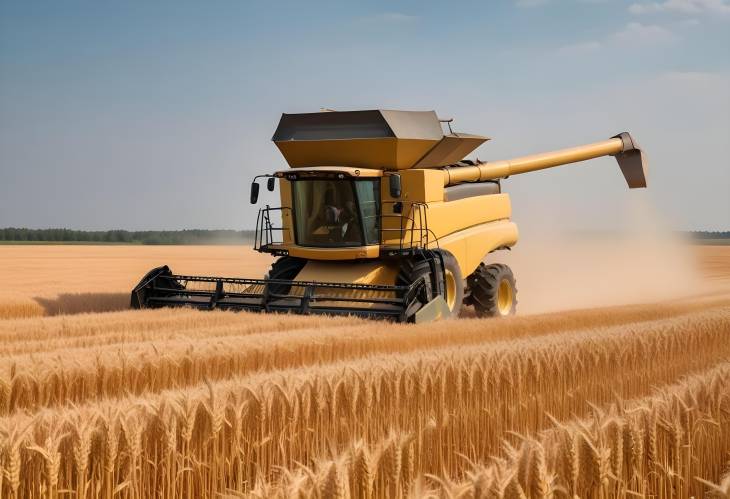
column 54, row 280
column 99, row 401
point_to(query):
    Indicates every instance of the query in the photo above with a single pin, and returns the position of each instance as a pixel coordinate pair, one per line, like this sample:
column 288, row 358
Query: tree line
column 192, row 236
column 710, row 235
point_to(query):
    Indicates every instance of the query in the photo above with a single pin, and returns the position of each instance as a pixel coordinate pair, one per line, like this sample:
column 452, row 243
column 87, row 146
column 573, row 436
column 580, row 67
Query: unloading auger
column 381, row 217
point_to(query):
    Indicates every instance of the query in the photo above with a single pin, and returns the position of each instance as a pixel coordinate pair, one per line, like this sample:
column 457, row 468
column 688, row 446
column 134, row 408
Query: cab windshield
column 334, row 213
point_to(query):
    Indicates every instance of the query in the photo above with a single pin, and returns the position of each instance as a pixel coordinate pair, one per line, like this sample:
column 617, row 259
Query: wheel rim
column 505, row 297
column 450, row 289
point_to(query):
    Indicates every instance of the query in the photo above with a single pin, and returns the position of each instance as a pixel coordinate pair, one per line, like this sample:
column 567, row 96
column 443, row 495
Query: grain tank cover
column 379, row 139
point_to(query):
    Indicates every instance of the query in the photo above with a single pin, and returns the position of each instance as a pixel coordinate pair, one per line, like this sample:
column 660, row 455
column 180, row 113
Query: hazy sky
column 156, row 115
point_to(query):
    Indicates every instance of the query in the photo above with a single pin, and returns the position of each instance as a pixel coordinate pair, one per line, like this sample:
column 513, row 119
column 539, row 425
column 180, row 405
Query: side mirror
column 394, row 181
column 254, row 192
column 271, row 184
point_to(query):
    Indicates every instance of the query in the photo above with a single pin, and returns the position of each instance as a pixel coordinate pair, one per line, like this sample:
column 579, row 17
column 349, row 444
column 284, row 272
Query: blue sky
column 155, row 115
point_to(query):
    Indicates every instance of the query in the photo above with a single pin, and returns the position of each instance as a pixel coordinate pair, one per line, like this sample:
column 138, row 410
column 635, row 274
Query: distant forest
column 192, row 236
column 710, row 235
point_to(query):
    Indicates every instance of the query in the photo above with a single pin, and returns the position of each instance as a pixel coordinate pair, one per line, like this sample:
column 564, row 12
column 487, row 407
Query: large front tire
column 410, row 270
column 451, row 281
column 285, row 268
column 454, row 284
column 493, row 290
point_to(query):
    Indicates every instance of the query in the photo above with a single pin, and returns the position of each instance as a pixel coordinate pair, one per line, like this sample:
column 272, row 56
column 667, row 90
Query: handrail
column 415, row 224
column 412, row 232
column 265, row 229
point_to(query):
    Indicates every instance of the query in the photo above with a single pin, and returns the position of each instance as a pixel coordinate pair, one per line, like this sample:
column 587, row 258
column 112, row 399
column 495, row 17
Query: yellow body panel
column 417, row 186
column 369, row 272
column 333, row 254
column 470, row 228
column 471, row 245
column 446, row 218
column 390, row 153
column 421, row 186
column 372, row 272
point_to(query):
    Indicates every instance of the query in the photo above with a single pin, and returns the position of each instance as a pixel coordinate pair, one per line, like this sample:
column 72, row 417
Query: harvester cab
column 381, row 217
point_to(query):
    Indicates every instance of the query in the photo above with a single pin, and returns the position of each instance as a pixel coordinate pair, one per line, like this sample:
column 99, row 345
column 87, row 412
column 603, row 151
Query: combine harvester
column 381, row 217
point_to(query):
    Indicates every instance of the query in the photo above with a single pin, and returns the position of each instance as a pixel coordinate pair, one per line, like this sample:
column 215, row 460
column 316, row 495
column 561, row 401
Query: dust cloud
column 641, row 262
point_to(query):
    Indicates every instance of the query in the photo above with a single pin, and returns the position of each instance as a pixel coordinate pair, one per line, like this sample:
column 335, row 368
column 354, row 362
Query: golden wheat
column 17, row 305
column 80, row 374
column 461, row 400
column 693, row 437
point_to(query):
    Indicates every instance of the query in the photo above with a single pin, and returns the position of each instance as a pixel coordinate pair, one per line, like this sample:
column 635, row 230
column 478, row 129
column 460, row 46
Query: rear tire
column 493, row 290
column 285, row 268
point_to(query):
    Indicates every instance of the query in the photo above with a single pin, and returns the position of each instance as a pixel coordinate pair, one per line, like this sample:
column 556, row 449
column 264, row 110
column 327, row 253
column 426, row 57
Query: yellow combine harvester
column 381, row 216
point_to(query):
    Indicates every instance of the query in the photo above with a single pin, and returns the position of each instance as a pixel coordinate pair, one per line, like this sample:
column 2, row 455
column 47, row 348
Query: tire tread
column 484, row 286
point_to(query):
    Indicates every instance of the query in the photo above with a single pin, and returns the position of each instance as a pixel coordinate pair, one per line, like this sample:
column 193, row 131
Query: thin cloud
column 530, row 3
column 580, row 48
column 692, row 7
column 537, row 3
column 644, row 34
column 634, row 34
column 391, row 18
column 692, row 76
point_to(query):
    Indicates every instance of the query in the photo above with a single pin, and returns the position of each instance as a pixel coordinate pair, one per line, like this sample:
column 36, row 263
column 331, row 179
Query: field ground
column 51, row 280
column 631, row 400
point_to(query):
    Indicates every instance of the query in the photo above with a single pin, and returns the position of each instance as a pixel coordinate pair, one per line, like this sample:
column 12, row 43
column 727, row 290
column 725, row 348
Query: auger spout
column 622, row 146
